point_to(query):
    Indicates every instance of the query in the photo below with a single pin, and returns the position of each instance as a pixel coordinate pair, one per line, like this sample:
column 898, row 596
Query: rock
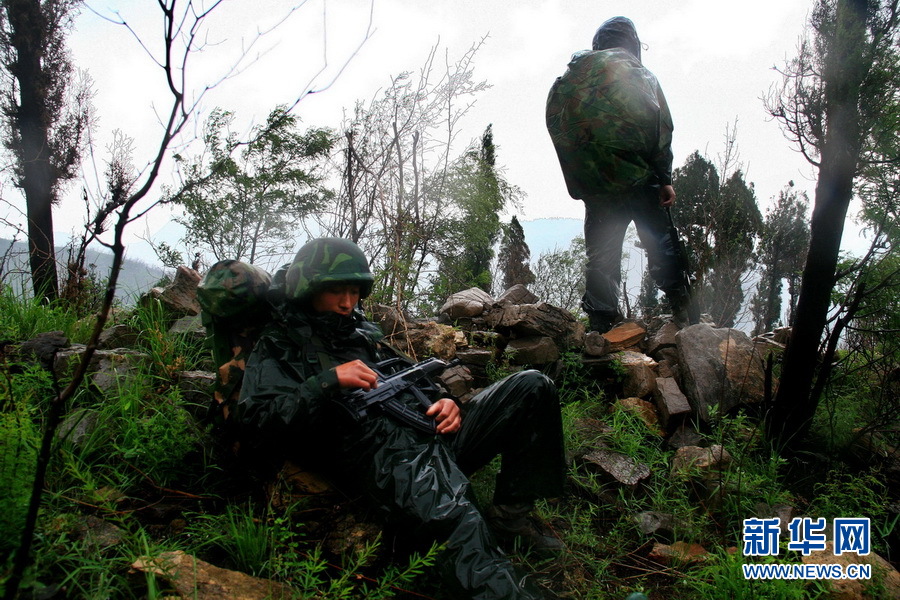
column 690, row 459
column 644, row 410
column 672, row 405
column 782, row 335
column 99, row 534
column 660, row 525
column 43, row 347
column 78, row 425
column 106, row 366
column 620, row 467
column 664, row 368
column 663, row 338
column 468, row 303
column 685, row 435
column 540, row 319
column 719, row 367
column 640, row 379
column 475, row 356
column 679, row 553
column 625, row 335
column 179, row 298
column 190, row 324
column 199, row 580
column 517, row 294
column 534, row 350
column 351, row 536
column 118, row 336
column 458, row 380
column 595, row 344
column 785, row 512
column 196, row 388
column 391, row 319
column 857, row 589
column 430, row 339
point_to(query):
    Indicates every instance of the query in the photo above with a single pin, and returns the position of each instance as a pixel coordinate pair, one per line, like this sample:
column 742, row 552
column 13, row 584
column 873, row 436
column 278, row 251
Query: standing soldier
column 612, row 131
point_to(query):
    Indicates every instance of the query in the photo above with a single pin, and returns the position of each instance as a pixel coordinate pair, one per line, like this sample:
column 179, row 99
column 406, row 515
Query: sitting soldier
column 320, row 346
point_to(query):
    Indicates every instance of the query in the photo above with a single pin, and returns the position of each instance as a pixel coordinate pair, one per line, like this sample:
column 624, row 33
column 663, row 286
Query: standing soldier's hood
column 618, row 32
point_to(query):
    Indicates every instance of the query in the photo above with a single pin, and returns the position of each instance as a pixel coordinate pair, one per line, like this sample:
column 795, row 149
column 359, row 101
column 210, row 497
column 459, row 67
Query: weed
column 722, row 576
column 22, row 318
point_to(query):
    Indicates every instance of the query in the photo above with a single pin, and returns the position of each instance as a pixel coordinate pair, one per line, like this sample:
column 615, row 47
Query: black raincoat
column 417, row 480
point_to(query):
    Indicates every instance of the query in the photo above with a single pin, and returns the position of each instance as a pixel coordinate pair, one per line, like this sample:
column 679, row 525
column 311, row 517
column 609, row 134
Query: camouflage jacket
column 610, row 124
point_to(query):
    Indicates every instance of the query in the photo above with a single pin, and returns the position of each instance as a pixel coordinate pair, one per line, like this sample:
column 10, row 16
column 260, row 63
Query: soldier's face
column 338, row 297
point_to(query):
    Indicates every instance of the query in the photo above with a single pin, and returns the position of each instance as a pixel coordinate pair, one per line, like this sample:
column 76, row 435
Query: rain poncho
column 419, row 480
column 610, row 124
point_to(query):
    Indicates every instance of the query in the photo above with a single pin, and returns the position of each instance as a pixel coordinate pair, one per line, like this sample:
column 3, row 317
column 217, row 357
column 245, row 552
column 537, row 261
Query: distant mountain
column 135, row 278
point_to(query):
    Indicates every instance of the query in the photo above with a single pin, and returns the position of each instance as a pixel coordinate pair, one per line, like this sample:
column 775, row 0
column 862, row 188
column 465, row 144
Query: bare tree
column 397, row 154
column 123, row 202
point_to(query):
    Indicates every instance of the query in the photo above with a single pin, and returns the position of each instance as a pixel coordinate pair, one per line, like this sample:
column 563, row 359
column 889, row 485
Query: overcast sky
column 713, row 58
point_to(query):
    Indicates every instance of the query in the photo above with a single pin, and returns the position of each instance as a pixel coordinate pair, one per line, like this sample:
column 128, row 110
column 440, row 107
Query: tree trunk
column 845, row 70
column 37, row 174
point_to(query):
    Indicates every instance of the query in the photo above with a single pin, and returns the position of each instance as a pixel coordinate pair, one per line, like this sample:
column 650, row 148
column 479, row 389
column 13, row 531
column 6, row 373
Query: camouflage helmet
column 231, row 287
column 327, row 260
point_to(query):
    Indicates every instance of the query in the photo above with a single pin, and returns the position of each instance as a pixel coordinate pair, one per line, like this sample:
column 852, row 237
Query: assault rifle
column 684, row 269
column 385, row 396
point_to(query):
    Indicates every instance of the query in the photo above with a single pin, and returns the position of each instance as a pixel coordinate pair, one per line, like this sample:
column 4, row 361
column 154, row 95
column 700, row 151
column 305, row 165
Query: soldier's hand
column 356, row 374
column 446, row 412
column 666, row 196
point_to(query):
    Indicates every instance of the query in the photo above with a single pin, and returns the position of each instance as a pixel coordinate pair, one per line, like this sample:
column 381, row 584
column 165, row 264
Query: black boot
column 511, row 522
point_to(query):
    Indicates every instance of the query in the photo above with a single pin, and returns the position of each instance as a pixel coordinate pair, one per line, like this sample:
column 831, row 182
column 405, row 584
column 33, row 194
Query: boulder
column 199, row 580
column 672, row 405
column 517, row 294
column 540, row 319
column 678, row 553
column 78, row 425
column 684, row 435
column 179, row 298
column 391, row 319
column 664, row 337
column 640, row 378
column 857, row 589
column 719, row 367
column 196, row 388
column 532, row 350
column 43, row 347
column 643, row 410
column 457, row 380
column 467, row 304
column 475, row 356
column 660, row 525
column 625, row 335
column 118, row 336
column 430, row 339
column 693, row 459
column 106, row 366
column 595, row 344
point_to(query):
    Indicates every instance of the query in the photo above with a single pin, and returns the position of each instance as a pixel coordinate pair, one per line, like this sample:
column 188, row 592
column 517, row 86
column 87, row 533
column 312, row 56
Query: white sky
column 713, row 58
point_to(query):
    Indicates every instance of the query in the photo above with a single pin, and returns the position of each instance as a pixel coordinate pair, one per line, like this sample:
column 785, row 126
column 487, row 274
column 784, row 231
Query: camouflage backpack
column 608, row 120
column 234, row 310
column 234, row 304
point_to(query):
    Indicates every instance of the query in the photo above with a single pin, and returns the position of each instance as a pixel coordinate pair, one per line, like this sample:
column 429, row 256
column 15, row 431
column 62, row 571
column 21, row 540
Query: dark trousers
column 424, row 484
column 606, row 218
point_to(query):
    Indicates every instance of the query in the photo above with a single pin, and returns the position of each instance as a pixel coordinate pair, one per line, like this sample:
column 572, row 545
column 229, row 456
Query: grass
column 147, row 470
